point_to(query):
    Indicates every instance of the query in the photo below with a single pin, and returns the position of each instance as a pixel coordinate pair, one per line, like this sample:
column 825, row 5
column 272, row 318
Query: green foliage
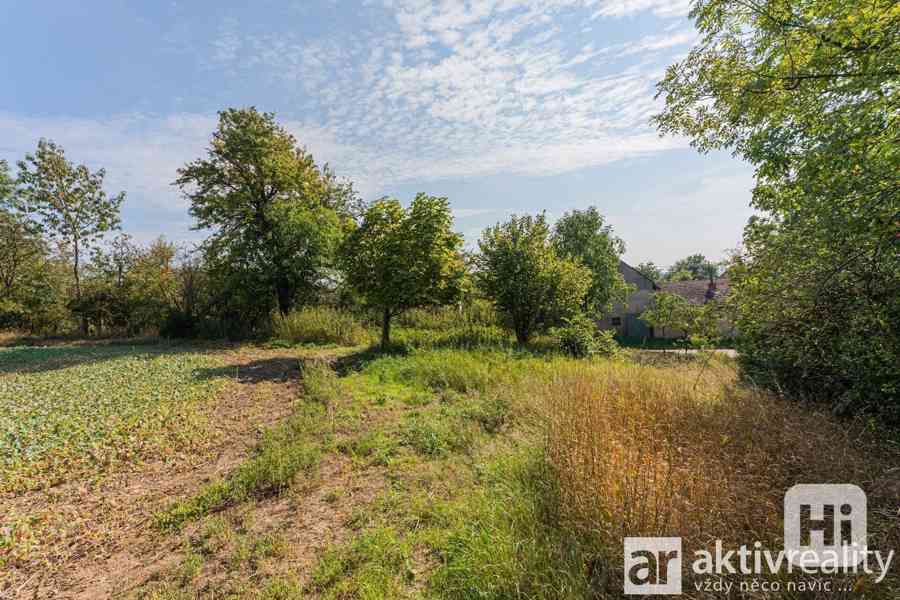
column 31, row 281
column 698, row 324
column 319, row 325
column 68, row 410
column 376, row 565
column 583, row 236
column 579, row 337
column 806, row 92
column 129, row 289
column 669, row 312
column 695, row 266
column 476, row 311
column 650, row 271
column 465, row 336
column 528, row 282
column 507, row 540
column 65, row 201
column 400, row 259
column 436, row 434
column 277, row 217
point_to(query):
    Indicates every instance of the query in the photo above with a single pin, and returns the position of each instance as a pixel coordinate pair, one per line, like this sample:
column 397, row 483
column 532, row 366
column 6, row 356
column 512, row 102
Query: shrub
column 580, row 338
column 319, row 325
column 577, row 337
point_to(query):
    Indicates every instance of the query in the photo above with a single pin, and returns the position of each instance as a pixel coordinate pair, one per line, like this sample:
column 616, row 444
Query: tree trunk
column 522, row 326
column 285, row 296
column 386, row 329
column 522, row 337
column 77, row 268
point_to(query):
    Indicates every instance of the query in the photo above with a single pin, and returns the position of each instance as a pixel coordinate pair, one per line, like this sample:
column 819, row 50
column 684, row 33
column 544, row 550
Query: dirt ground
column 96, row 537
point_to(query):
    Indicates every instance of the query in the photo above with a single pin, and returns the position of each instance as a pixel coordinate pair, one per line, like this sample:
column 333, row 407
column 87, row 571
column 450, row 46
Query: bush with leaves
column 520, row 271
column 580, row 338
column 807, row 93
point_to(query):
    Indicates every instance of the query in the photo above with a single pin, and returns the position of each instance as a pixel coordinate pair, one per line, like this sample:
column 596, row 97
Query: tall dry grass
column 320, row 325
column 660, row 451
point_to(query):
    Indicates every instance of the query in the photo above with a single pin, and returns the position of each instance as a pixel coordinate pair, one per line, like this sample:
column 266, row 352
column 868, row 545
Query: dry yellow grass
column 661, row 451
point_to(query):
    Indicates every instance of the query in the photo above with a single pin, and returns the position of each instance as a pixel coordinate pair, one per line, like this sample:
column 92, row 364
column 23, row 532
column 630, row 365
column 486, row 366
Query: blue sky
column 502, row 105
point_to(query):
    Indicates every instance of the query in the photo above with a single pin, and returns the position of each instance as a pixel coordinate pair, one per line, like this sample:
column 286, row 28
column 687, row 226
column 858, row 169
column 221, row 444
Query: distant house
column 625, row 318
column 698, row 291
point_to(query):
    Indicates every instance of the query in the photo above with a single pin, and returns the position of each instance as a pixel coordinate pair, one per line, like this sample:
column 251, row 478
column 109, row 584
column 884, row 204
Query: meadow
column 456, row 466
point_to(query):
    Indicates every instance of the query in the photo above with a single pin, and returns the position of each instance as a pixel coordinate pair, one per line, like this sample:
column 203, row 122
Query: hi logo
column 825, row 524
column 653, row 566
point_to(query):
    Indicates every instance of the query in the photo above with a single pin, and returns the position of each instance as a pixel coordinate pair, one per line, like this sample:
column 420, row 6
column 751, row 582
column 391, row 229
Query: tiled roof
column 698, row 290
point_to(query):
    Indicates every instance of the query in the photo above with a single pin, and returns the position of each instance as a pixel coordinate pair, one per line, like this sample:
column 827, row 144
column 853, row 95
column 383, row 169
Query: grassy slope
column 491, row 473
column 481, row 503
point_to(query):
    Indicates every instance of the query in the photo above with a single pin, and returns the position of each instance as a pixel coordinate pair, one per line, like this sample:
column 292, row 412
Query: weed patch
column 320, row 325
column 284, row 452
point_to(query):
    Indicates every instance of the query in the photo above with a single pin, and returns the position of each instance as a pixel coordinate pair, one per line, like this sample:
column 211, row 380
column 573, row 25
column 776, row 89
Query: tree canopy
column 583, row 235
column 277, row 217
column 529, row 283
column 399, row 258
column 66, row 201
column 807, row 92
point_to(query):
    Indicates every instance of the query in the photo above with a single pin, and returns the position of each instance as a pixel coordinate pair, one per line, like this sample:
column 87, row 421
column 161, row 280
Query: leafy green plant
column 806, row 92
column 528, row 282
column 580, row 338
column 399, row 259
column 66, row 411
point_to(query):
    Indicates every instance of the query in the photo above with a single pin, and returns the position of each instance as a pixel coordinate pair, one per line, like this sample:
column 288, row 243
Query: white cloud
column 661, row 8
column 442, row 90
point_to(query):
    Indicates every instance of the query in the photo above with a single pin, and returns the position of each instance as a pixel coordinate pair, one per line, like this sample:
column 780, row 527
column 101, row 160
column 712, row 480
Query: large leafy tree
column 399, row 258
column 22, row 258
column 650, row 271
column 583, row 236
column 66, row 201
column 519, row 269
column 807, row 91
column 21, row 252
column 277, row 217
column 695, row 266
column 19, row 242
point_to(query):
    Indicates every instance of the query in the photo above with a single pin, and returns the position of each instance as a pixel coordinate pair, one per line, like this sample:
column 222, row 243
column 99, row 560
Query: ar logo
column 652, row 566
column 825, row 523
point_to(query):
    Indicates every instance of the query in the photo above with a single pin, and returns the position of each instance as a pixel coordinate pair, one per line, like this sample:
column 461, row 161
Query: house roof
column 697, row 291
column 625, row 268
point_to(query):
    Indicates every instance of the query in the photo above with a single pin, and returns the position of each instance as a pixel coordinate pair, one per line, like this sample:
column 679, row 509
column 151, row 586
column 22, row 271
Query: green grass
column 320, row 325
column 285, row 452
column 506, row 539
column 376, row 565
column 64, row 411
